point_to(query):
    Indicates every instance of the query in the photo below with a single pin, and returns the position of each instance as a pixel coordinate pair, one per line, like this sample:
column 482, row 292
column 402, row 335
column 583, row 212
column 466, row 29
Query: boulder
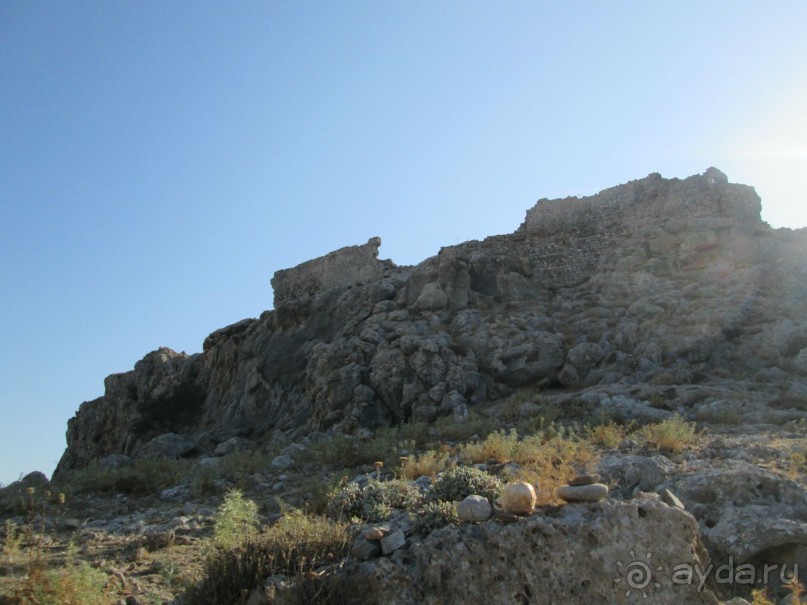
column 474, row 509
column 518, row 498
column 168, row 445
column 579, row 556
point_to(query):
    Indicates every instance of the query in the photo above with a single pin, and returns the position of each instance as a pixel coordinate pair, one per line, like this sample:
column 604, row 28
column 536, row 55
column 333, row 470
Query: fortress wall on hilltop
column 567, row 237
column 345, row 266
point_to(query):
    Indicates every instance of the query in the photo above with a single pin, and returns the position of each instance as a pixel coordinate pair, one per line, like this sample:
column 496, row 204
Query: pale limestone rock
column 474, row 509
column 518, row 498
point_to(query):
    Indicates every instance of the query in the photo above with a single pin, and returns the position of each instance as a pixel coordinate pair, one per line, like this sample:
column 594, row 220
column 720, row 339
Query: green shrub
column 375, row 501
column 435, row 515
column 462, row 481
column 236, row 520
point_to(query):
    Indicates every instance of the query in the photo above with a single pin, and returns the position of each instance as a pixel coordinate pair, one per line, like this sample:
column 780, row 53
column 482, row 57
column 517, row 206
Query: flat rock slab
column 583, row 493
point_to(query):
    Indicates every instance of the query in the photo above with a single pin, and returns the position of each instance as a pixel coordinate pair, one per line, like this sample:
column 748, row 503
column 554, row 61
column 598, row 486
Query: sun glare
column 771, row 154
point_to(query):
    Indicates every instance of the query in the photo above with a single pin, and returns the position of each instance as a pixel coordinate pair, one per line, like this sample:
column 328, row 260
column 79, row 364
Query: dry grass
column 607, row 436
column 672, row 435
column 547, row 463
column 428, row 463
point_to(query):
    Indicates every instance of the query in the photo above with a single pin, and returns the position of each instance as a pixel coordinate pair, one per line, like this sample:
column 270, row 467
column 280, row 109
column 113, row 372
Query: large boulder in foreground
column 608, row 552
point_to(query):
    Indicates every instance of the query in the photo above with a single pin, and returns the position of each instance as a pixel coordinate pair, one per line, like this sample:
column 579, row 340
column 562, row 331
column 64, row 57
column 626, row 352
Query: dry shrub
column 429, row 463
column 608, row 435
column 671, row 435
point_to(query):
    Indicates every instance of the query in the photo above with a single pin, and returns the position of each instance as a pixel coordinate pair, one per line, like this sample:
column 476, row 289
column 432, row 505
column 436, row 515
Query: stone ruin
column 346, row 266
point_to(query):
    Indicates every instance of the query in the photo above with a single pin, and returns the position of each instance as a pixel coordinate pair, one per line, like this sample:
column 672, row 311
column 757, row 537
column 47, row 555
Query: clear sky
column 160, row 160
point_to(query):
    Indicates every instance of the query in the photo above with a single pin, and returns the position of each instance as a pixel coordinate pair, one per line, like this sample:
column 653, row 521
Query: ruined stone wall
column 567, row 237
column 343, row 267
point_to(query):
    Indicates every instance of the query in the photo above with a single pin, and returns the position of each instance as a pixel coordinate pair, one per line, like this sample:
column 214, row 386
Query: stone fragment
column 518, row 498
column 234, row 444
column 585, row 479
column 364, row 549
column 372, row 533
column 583, row 493
column 392, row 542
column 282, row 462
column 168, row 445
column 671, row 499
column 474, row 509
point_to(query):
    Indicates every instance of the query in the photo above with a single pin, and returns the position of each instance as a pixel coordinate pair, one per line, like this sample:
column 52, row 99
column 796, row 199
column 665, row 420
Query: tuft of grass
column 428, row 463
column 548, row 459
column 236, row 520
column 672, row 435
column 608, row 435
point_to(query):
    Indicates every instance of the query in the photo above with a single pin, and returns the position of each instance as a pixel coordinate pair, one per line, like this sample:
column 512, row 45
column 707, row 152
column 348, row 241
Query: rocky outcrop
column 655, row 296
column 607, row 552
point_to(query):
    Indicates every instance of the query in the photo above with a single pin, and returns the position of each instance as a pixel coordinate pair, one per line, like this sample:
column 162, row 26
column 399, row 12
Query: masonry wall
column 343, row 267
column 567, row 237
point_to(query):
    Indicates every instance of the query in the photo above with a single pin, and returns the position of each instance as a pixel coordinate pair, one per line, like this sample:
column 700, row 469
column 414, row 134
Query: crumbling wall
column 566, row 238
column 345, row 266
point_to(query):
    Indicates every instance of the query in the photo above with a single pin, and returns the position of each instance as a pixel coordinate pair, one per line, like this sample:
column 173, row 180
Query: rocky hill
column 660, row 294
column 574, row 359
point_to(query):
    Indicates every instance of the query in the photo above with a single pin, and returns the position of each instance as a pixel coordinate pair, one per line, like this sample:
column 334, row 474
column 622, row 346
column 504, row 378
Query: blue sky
column 160, row 160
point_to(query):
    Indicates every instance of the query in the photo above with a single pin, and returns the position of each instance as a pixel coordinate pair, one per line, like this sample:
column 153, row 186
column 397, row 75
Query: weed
column 608, row 435
column 671, row 435
column 236, row 520
column 429, row 464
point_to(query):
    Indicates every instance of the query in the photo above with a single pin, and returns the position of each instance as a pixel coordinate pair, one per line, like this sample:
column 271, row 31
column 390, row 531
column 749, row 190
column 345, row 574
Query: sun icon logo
column 638, row 575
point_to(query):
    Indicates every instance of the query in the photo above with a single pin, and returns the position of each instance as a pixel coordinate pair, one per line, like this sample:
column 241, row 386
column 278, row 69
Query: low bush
column 607, row 435
column 294, row 547
column 462, row 481
column 435, row 515
column 671, row 435
column 374, row 501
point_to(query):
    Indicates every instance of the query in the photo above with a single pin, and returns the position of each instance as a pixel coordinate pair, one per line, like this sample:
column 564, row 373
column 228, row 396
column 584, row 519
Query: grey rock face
column 658, row 281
